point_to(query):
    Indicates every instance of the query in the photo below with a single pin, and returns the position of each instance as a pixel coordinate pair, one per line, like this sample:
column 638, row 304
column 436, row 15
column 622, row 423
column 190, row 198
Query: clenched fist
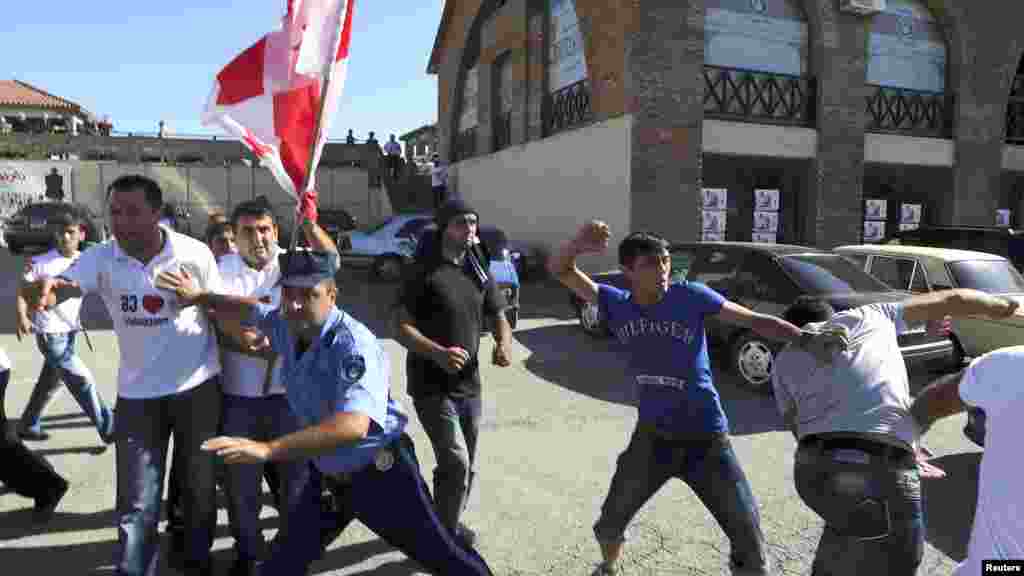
column 593, row 237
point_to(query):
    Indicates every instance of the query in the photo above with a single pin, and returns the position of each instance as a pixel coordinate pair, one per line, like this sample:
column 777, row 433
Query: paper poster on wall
column 908, row 226
column 767, row 200
column 712, row 237
column 714, row 221
column 768, row 237
column 715, row 199
column 27, row 182
column 910, row 214
column 766, row 222
column 1002, row 217
column 874, row 209
column 874, row 230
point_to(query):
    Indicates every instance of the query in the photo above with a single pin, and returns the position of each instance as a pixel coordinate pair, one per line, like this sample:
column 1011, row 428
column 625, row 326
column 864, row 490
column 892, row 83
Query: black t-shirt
column 447, row 303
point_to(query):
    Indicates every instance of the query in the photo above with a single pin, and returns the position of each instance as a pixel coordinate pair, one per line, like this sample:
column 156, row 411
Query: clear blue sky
column 141, row 62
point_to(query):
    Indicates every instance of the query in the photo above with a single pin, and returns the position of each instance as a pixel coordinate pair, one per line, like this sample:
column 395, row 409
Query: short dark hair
column 640, row 244
column 216, row 229
column 128, row 182
column 808, row 309
column 256, row 208
column 66, row 218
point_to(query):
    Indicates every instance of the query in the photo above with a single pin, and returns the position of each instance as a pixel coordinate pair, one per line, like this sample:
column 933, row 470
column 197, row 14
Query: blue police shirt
column 345, row 370
column 668, row 355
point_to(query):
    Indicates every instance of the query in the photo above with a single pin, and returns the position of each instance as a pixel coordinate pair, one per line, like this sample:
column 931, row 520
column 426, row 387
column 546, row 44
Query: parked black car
column 336, row 220
column 30, row 229
column 1005, row 242
column 767, row 278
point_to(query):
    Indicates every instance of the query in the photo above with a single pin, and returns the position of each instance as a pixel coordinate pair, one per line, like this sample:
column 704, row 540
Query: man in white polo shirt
column 991, row 382
column 255, row 405
column 167, row 373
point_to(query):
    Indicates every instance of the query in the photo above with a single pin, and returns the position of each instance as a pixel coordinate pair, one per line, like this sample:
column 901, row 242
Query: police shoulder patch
column 353, row 367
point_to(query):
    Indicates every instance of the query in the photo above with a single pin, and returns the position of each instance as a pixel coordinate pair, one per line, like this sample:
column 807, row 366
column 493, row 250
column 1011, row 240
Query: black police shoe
column 46, row 505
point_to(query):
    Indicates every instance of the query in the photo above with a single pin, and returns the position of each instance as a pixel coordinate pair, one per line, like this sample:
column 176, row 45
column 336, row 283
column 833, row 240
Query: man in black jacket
column 439, row 317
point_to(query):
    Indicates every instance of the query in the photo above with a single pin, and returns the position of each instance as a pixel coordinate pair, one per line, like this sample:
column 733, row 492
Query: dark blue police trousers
column 395, row 504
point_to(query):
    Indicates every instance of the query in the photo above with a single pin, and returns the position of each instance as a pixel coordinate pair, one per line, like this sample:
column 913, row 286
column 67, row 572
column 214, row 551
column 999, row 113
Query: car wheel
column 752, row 360
column 590, row 318
column 387, row 268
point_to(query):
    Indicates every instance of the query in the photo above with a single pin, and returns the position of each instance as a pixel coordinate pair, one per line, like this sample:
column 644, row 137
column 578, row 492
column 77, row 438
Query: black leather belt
column 878, row 450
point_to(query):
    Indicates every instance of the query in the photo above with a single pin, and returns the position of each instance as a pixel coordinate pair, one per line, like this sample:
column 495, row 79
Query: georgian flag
column 279, row 96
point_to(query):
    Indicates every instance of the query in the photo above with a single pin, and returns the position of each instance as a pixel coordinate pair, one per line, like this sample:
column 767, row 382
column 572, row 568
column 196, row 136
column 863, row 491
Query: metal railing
column 465, row 144
column 910, row 112
column 754, row 96
column 567, row 108
column 502, row 130
column 1015, row 113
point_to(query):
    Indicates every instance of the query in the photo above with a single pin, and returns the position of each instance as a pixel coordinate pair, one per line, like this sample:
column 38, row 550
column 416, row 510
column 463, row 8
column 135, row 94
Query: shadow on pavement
column 92, row 450
column 565, row 356
column 68, row 416
column 949, row 503
column 355, row 553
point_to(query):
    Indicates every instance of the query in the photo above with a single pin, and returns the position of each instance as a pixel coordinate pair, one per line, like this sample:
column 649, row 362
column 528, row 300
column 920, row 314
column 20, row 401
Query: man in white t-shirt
column 849, row 406
column 55, row 332
column 167, row 377
column 255, row 405
column 991, row 382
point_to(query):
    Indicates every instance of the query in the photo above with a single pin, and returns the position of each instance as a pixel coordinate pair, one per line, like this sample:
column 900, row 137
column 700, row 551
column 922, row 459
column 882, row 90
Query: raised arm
column 591, row 238
column 229, row 310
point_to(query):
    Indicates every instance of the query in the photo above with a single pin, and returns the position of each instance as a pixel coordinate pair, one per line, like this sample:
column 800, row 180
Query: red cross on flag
column 279, row 96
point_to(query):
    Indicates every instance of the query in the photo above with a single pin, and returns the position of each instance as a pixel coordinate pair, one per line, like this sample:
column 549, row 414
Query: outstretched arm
column 939, row 400
column 765, row 325
column 957, row 303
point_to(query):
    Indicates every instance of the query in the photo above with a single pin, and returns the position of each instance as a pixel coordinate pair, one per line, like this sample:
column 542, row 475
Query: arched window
column 907, row 48
column 761, row 35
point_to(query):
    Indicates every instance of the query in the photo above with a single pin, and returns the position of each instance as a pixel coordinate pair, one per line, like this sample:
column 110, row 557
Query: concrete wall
column 208, row 188
column 541, row 193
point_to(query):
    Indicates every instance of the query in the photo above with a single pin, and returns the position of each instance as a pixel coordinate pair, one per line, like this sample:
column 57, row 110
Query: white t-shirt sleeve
column 892, row 311
column 211, row 274
column 85, row 271
column 991, row 382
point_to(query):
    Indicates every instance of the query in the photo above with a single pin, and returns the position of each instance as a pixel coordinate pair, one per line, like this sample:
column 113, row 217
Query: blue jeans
column 874, row 520
column 259, row 419
column 60, row 362
column 708, row 465
column 143, row 430
column 453, row 426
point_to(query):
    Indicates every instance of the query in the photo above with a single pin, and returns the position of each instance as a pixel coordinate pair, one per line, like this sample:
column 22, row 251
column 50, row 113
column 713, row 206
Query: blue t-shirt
column 345, row 370
column 668, row 355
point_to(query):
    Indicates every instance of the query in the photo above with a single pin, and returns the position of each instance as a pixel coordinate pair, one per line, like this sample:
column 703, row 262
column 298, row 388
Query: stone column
column 834, row 201
column 665, row 52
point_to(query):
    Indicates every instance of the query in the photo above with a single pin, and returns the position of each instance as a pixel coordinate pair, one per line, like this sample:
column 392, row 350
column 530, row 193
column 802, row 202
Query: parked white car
column 922, row 269
column 386, row 247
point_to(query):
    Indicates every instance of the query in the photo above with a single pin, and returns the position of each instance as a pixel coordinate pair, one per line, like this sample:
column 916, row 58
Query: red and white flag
column 279, row 96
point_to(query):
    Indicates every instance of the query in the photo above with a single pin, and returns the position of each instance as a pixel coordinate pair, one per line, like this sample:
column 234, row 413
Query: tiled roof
column 18, row 93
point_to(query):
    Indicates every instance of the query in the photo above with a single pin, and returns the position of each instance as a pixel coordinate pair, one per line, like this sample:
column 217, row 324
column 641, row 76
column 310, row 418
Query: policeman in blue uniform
column 337, row 378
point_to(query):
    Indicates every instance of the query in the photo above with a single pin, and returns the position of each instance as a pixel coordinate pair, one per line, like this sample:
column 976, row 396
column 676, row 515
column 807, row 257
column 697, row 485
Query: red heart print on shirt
column 152, row 303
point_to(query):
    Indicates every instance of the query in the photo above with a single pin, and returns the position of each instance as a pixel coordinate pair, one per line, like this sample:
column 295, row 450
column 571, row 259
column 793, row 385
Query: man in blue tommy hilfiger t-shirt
column 681, row 431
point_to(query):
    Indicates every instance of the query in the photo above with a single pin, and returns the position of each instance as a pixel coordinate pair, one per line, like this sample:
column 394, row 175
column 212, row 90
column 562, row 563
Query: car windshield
column 830, row 274
column 993, row 276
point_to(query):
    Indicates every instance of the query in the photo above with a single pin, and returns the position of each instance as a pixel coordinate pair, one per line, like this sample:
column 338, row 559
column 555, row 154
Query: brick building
column 556, row 110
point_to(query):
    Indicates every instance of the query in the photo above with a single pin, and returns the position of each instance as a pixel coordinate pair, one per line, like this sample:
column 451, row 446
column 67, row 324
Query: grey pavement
column 554, row 424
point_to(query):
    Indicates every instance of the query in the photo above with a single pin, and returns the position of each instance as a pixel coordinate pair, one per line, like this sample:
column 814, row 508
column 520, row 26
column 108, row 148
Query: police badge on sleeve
column 353, row 367
column 384, row 459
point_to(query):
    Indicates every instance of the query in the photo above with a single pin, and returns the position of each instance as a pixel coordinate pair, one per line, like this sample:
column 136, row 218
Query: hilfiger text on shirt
column 134, row 321
column 666, row 328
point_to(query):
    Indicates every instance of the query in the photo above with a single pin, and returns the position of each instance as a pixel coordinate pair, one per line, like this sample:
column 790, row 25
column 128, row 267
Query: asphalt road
column 554, row 422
